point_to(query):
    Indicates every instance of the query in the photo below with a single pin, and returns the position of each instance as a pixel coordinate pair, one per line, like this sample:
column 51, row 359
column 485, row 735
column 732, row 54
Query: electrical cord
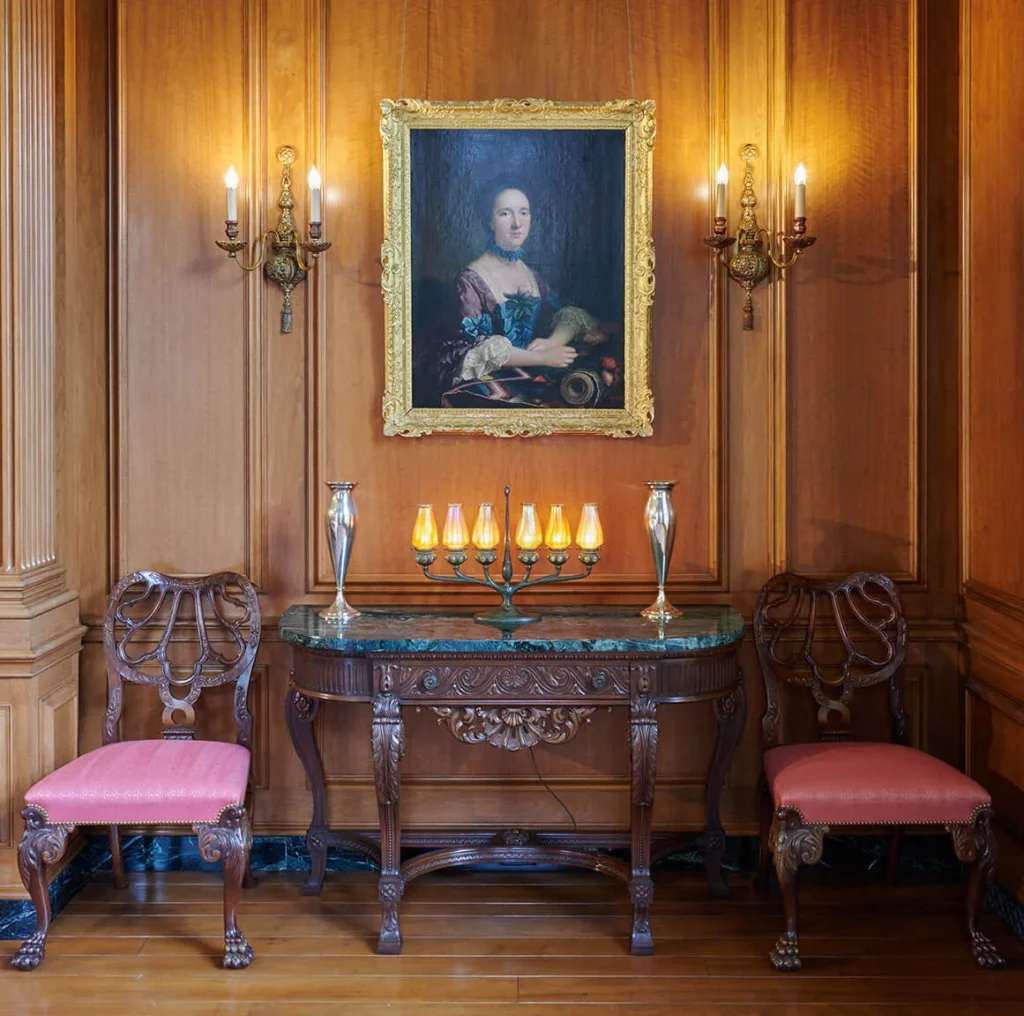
column 544, row 784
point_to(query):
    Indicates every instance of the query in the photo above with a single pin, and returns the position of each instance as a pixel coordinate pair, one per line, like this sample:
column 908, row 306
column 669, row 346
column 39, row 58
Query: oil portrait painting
column 518, row 267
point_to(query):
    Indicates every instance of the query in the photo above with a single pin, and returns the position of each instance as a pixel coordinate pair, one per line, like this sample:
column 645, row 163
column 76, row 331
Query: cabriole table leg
column 300, row 712
column 731, row 714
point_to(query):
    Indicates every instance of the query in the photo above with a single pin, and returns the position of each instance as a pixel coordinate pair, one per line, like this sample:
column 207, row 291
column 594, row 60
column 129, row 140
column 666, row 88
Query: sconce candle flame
column 722, row 180
column 231, row 182
column 800, row 198
column 314, row 194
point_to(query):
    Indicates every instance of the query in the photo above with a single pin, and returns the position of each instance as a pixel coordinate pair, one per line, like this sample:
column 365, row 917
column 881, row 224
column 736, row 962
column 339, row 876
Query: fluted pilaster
column 29, row 571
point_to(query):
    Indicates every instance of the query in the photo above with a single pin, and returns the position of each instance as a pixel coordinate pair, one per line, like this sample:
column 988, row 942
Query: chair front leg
column 975, row 845
column 230, row 842
column 41, row 845
column 792, row 844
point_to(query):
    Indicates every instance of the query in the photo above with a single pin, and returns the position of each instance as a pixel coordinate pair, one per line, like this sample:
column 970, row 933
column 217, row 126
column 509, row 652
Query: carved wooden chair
column 181, row 636
column 833, row 638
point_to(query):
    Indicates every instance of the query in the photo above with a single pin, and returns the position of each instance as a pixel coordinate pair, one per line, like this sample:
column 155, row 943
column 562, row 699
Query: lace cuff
column 485, row 358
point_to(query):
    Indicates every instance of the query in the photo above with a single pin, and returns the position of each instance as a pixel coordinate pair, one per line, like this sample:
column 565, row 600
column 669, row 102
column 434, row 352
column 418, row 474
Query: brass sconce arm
column 285, row 266
column 752, row 261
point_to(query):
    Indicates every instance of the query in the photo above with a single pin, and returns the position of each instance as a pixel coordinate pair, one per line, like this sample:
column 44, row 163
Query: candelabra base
column 505, row 617
column 661, row 609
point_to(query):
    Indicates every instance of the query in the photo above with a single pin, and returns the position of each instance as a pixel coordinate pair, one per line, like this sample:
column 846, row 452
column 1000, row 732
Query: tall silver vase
column 660, row 520
column 341, row 532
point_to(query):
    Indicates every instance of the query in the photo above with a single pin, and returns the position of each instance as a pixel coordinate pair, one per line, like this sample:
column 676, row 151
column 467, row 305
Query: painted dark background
column 575, row 180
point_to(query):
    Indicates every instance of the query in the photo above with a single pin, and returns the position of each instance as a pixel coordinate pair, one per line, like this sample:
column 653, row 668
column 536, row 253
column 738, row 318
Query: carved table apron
column 513, row 690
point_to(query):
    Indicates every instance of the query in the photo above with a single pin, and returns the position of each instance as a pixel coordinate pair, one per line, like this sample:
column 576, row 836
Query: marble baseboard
column 930, row 856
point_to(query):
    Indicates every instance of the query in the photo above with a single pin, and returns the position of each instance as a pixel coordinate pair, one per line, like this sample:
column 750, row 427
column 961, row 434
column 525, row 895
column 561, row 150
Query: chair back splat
column 831, row 638
column 181, row 635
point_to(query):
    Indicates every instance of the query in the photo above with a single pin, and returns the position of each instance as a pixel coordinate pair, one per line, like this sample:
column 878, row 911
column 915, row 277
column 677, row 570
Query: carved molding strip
column 514, row 727
column 509, row 680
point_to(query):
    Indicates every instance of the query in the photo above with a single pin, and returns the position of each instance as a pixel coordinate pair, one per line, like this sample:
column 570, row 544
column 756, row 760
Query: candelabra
column 287, row 267
column 485, row 538
column 753, row 259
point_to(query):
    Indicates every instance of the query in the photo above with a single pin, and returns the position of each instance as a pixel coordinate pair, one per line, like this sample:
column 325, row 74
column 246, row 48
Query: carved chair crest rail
column 834, row 638
column 180, row 636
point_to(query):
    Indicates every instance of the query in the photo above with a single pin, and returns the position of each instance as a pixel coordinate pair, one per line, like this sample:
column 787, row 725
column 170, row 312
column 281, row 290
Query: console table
column 512, row 689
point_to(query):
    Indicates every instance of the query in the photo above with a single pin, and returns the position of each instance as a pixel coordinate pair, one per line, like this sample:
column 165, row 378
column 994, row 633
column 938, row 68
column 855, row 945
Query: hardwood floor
column 540, row 942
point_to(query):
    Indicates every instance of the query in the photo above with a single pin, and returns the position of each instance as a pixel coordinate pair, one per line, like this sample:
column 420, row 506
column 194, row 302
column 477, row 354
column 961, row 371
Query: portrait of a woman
column 516, row 340
column 517, row 269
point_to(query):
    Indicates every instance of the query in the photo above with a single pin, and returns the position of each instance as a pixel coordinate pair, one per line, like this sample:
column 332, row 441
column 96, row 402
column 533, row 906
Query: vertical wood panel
column 853, row 469
column 992, row 419
column 198, row 348
column 364, row 63
column 994, row 538
column 181, row 347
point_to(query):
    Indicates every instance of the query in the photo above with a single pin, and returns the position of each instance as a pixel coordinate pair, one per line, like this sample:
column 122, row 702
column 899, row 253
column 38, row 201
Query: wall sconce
column 286, row 268
column 753, row 259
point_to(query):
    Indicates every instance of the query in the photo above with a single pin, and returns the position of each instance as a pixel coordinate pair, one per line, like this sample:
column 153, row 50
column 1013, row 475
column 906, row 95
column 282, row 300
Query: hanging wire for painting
column 401, row 62
column 629, row 42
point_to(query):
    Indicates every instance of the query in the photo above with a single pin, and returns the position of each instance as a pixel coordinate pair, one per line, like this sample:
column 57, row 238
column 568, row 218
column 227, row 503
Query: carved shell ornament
column 514, row 727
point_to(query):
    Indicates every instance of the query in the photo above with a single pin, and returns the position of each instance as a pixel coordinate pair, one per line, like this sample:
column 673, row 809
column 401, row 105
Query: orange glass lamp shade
column 424, row 530
column 485, row 530
column 456, row 534
column 529, row 535
column 559, row 535
column 589, row 534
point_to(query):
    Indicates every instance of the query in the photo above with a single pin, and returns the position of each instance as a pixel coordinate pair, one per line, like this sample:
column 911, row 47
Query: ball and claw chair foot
column 786, row 954
column 984, row 952
column 30, row 953
column 237, row 951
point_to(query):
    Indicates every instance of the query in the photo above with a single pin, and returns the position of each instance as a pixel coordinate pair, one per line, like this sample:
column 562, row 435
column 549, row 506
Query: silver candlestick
column 341, row 532
column 660, row 520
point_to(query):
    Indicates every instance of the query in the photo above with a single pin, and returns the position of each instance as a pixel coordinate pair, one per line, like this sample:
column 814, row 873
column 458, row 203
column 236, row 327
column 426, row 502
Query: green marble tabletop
column 561, row 630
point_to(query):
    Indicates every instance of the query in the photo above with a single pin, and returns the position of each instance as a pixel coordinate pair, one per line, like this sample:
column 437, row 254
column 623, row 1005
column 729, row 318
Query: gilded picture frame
column 589, row 172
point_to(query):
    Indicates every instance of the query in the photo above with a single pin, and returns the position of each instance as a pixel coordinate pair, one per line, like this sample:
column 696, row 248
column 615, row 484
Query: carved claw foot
column 237, row 952
column 786, row 954
column 984, row 952
column 31, row 952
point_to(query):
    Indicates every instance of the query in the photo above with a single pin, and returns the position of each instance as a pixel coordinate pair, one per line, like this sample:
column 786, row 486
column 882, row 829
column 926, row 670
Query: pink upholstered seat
column 863, row 783
column 141, row 782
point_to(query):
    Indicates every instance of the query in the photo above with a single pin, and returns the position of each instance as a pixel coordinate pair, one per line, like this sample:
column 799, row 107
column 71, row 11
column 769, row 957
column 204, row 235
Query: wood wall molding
column 819, row 483
column 401, row 496
column 991, row 424
column 283, row 413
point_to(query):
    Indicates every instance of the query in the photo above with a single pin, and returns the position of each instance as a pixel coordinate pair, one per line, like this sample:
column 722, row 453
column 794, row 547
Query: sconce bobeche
column 752, row 260
column 286, row 268
column 485, row 537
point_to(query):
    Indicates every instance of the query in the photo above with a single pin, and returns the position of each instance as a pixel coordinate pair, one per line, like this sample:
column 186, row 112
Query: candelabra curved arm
column 234, row 246
column 556, row 576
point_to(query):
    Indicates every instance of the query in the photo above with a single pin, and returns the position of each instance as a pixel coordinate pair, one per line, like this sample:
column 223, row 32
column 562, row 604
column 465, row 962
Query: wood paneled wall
column 813, row 442
column 992, row 416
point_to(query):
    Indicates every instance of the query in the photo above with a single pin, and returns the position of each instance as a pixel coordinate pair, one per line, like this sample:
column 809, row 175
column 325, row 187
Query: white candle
column 800, row 201
column 231, row 182
column 722, row 179
column 314, row 195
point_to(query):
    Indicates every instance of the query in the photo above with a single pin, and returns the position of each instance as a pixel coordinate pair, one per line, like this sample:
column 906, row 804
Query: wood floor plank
column 510, row 939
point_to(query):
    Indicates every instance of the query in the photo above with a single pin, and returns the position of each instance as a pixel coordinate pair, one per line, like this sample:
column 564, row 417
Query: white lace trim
column 485, row 358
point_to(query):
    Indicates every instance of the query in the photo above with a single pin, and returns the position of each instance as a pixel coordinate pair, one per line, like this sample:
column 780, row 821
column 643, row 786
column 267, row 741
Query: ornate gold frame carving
column 632, row 116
